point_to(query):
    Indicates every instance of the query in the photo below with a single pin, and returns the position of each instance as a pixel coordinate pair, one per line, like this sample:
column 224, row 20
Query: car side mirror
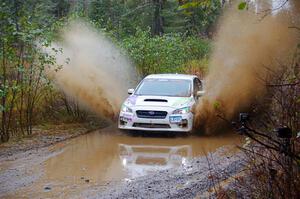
column 130, row 91
column 200, row 93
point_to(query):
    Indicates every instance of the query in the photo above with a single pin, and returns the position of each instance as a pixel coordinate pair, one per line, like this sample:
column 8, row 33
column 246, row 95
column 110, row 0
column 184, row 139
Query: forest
column 159, row 36
column 247, row 52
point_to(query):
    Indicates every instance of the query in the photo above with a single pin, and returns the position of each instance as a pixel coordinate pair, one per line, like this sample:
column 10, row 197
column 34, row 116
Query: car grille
column 151, row 125
column 151, row 114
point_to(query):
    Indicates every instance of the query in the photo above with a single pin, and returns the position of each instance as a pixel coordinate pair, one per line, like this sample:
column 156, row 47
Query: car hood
column 163, row 101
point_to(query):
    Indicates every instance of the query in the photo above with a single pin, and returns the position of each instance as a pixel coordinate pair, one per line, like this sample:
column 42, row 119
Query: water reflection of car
column 143, row 159
column 161, row 102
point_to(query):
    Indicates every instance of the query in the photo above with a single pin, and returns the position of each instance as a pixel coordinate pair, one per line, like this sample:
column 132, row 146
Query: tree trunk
column 4, row 131
column 157, row 28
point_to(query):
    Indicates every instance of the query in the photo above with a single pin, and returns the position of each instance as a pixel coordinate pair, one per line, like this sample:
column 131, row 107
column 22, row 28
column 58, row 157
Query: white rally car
column 161, row 102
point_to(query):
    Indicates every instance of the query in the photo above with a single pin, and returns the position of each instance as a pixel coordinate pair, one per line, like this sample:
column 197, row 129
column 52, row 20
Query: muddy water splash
column 245, row 46
column 93, row 71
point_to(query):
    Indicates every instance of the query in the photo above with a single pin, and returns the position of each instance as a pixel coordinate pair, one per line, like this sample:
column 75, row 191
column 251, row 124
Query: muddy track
column 202, row 174
column 92, row 166
column 44, row 138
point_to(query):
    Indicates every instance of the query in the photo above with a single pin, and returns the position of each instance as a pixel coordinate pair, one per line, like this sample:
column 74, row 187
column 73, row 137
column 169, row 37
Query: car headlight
column 183, row 110
column 126, row 109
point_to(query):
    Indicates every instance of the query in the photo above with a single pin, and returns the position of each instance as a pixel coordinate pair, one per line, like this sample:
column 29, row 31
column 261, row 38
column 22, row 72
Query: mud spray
column 245, row 46
column 91, row 69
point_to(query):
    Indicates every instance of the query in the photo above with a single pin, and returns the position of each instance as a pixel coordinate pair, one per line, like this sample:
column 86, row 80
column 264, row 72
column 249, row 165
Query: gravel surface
column 21, row 170
column 21, row 160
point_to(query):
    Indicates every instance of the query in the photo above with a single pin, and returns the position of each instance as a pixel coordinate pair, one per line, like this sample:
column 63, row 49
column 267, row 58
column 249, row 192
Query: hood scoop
column 155, row 100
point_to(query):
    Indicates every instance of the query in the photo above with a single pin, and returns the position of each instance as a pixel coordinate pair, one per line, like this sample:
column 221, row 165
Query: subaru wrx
column 161, row 102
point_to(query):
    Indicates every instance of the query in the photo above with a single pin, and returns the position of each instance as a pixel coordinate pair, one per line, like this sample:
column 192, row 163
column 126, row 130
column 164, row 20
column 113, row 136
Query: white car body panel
column 136, row 120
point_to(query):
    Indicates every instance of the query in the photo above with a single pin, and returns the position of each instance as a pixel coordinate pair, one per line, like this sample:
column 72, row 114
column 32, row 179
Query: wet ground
column 102, row 158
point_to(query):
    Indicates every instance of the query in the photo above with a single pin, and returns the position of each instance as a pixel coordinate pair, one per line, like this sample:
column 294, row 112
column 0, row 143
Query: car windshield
column 165, row 87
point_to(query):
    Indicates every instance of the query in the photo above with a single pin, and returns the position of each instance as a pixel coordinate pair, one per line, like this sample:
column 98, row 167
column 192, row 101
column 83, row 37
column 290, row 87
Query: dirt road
column 110, row 164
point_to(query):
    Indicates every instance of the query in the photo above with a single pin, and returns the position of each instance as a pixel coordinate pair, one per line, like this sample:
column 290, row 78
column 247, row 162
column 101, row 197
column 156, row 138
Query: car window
column 165, row 87
column 197, row 86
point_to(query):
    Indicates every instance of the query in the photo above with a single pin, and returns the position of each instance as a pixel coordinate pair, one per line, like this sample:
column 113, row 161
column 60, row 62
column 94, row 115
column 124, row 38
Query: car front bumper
column 130, row 121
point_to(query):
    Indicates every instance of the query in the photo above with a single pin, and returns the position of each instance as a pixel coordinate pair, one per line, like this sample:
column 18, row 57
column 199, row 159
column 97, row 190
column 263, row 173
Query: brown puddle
column 104, row 156
column 107, row 156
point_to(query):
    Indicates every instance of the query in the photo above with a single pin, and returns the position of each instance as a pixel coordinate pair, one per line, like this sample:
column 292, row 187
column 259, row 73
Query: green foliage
column 242, row 5
column 160, row 36
column 217, row 105
column 200, row 14
column 22, row 65
column 107, row 14
column 174, row 19
column 162, row 17
column 165, row 54
column 197, row 67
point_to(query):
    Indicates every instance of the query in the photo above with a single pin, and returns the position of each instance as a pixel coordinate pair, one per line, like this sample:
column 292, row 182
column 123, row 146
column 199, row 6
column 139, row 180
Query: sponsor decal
column 131, row 100
column 182, row 101
column 127, row 117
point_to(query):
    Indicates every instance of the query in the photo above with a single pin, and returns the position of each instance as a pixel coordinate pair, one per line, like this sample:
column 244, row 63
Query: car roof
column 171, row 76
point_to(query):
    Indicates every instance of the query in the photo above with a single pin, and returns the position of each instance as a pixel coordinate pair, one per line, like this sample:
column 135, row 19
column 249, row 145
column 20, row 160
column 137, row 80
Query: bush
column 164, row 54
column 196, row 67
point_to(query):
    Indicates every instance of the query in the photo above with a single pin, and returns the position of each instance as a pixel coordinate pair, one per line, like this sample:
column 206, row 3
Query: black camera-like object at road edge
column 283, row 132
column 243, row 117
